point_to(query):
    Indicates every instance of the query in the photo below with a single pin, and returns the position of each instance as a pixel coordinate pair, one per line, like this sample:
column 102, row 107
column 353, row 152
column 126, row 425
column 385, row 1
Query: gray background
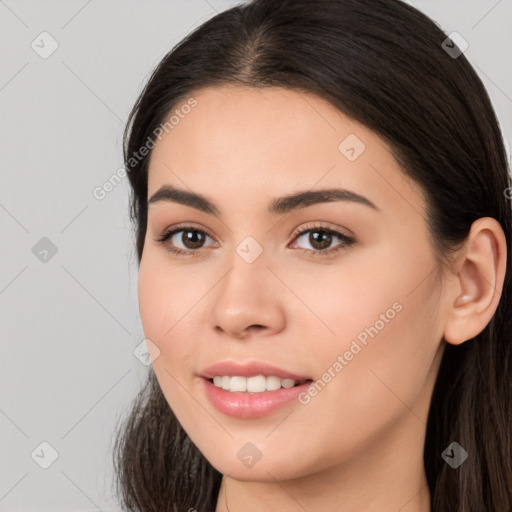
column 69, row 320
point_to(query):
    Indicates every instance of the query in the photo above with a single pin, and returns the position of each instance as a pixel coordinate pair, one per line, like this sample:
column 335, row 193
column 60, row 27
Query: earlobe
column 480, row 273
column 461, row 300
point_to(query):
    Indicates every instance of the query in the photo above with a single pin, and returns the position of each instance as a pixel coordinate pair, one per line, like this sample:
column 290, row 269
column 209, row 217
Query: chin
column 266, row 469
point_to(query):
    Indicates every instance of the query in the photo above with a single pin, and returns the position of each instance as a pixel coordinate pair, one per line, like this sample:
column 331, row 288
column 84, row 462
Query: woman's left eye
column 321, row 238
column 192, row 239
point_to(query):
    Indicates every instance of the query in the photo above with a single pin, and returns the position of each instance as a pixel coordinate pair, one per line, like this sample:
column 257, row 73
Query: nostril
column 256, row 326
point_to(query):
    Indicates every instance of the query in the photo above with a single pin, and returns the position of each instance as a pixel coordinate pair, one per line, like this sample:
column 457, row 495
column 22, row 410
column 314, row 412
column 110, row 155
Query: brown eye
column 192, row 239
column 321, row 239
column 183, row 240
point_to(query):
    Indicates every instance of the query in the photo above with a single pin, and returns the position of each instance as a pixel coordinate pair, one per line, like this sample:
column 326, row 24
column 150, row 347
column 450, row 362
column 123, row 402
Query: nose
column 248, row 301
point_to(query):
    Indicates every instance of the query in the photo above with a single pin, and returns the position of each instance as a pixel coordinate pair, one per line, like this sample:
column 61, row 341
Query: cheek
column 375, row 292
column 166, row 311
column 378, row 301
column 387, row 334
column 364, row 388
column 166, row 294
column 168, row 318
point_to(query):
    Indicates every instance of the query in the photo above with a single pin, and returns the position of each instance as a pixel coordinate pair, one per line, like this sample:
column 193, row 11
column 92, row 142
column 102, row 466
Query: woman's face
column 340, row 289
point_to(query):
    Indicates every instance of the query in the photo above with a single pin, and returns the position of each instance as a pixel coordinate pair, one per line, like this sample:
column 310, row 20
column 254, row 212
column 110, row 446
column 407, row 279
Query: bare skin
column 357, row 444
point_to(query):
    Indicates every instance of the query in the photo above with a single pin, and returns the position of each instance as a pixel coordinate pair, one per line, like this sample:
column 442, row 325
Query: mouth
column 255, row 384
column 253, row 397
column 251, row 389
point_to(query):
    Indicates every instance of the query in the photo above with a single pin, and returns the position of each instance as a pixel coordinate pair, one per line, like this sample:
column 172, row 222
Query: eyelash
column 346, row 240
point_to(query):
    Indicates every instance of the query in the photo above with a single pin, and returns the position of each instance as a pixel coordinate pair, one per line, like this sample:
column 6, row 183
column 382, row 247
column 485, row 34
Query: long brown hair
column 384, row 64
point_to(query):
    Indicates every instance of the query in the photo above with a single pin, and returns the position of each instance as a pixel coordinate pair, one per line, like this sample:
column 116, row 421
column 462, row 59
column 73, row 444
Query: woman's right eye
column 190, row 237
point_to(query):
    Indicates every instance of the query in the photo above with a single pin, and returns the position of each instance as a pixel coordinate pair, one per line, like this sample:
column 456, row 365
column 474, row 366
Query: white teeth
column 257, row 384
column 238, row 384
column 273, row 383
column 287, row 383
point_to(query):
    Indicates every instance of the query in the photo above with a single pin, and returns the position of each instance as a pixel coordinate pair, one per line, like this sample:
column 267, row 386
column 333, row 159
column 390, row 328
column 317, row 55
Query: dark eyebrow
column 197, row 201
column 278, row 206
column 302, row 199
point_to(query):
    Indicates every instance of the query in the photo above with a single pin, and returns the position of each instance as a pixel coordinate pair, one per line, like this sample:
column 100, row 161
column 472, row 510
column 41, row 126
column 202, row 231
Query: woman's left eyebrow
column 307, row 198
column 278, row 206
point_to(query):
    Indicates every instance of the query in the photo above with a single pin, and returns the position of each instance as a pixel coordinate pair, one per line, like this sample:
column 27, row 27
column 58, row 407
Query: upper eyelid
column 186, row 227
column 316, row 225
column 300, row 229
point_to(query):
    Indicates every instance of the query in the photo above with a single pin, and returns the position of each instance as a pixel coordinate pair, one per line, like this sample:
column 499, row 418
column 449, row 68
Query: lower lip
column 251, row 405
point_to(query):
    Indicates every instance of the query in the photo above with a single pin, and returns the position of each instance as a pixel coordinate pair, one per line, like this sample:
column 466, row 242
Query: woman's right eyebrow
column 278, row 206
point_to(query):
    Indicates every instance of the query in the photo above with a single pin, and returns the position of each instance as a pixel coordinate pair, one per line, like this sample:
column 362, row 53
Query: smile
column 256, row 384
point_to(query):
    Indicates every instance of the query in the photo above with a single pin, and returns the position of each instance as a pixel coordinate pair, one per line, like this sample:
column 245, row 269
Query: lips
column 247, row 404
column 250, row 369
column 252, row 405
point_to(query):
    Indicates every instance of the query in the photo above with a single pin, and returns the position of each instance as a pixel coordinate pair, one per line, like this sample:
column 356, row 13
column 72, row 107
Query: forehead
column 237, row 122
column 262, row 141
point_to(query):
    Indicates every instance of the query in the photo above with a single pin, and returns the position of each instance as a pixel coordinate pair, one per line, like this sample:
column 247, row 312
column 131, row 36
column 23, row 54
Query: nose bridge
column 247, row 296
column 249, row 250
column 247, row 280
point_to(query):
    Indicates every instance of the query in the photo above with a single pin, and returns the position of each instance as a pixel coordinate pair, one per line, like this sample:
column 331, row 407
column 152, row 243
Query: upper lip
column 249, row 369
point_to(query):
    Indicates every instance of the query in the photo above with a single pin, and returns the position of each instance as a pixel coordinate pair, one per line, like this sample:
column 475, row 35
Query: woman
column 320, row 192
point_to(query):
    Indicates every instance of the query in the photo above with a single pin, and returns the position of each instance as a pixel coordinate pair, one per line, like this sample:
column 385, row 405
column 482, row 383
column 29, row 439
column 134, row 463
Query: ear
column 480, row 273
